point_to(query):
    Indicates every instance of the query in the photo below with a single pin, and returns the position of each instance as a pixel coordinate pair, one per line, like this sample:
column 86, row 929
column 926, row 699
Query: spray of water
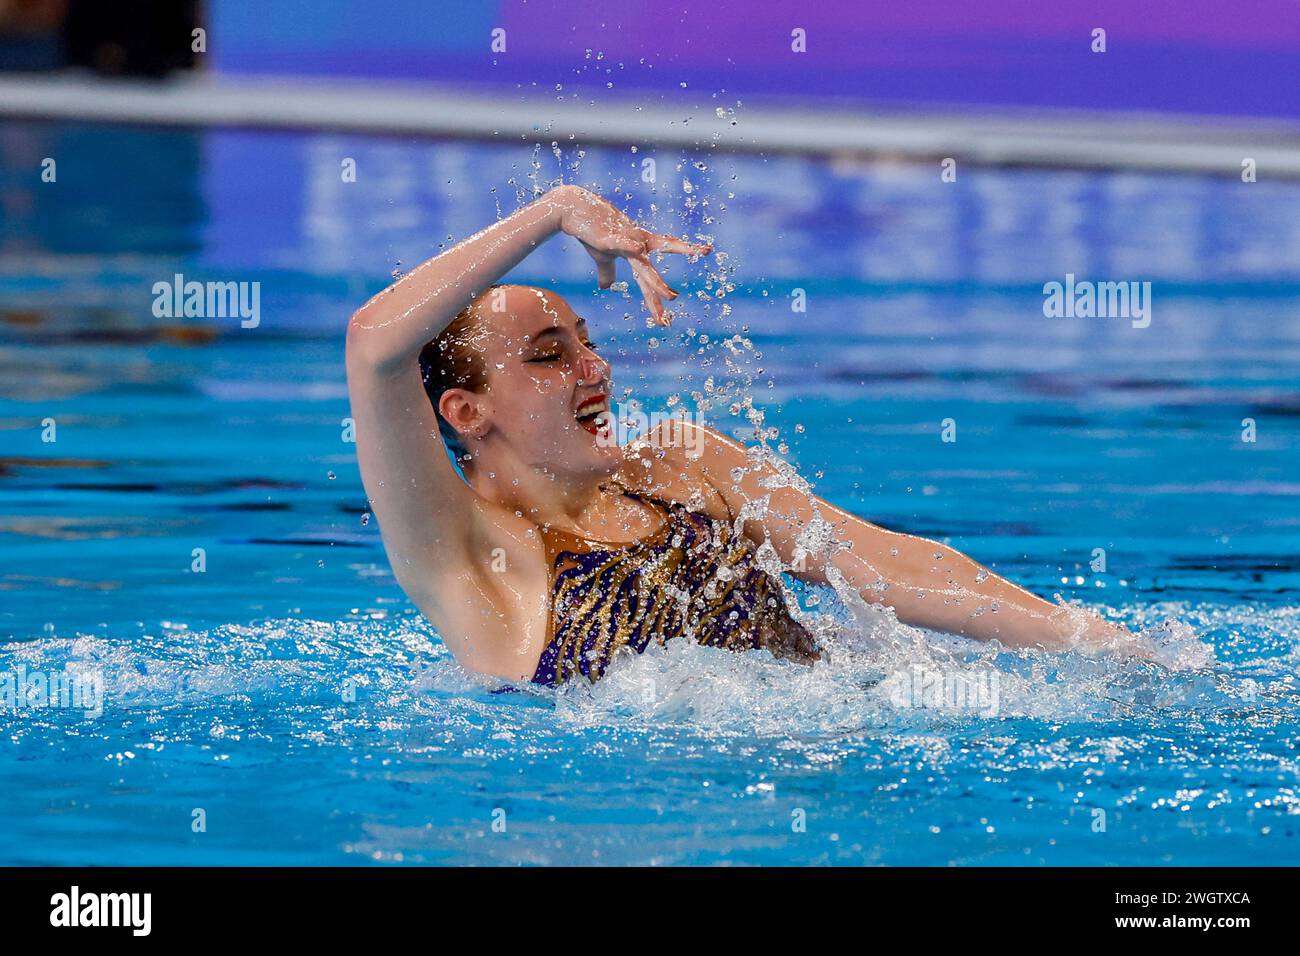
column 868, row 682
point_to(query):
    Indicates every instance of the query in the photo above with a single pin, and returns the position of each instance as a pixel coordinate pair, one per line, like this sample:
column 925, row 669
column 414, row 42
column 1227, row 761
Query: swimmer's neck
column 544, row 497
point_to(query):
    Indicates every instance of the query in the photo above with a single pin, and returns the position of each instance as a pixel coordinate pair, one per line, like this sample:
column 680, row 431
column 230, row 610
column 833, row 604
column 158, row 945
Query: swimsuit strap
column 731, row 515
column 664, row 509
column 670, row 505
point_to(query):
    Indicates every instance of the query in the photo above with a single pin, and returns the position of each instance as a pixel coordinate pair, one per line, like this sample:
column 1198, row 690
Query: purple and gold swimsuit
column 692, row 577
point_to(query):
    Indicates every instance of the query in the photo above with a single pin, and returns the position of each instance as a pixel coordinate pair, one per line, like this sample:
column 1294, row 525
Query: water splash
column 398, row 666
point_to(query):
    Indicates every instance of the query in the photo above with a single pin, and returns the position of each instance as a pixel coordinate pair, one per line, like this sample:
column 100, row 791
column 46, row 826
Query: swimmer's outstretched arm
column 926, row 583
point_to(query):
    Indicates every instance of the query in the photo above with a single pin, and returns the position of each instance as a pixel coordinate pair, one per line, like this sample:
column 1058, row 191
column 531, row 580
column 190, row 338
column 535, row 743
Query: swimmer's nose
column 592, row 369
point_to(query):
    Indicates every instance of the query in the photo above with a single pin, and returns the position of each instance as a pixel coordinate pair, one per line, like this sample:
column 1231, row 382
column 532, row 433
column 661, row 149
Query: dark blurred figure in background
column 31, row 34
column 123, row 38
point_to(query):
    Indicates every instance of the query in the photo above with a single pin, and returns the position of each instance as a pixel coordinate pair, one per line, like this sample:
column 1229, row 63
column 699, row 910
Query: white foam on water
column 877, row 675
column 888, row 675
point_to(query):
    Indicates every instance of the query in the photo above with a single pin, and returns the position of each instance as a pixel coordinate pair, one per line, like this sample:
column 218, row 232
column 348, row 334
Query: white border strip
column 1209, row 145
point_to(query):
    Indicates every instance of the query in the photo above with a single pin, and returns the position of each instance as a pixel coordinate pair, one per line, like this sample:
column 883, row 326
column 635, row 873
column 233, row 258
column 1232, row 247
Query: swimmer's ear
column 465, row 411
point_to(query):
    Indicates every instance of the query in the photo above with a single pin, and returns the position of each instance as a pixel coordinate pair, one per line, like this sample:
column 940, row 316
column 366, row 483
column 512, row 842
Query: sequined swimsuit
column 694, row 576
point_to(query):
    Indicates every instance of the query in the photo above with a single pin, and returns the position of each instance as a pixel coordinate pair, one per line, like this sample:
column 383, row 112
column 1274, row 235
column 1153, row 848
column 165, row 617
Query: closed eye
column 556, row 356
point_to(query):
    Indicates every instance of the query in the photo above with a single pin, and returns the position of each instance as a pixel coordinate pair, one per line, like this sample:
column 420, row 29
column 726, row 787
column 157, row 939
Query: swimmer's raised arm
column 427, row 514
column 391, row 329
column 926, row 583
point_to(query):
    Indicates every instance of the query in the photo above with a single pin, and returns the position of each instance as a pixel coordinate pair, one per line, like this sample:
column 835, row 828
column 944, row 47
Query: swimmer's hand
column 609, row 235
column 1100, row 636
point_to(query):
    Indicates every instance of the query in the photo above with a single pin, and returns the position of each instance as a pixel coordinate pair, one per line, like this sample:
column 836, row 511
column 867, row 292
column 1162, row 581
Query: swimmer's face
column 547, row 401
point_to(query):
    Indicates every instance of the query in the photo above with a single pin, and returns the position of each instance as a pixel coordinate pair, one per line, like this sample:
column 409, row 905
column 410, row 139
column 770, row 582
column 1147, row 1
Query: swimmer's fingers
column 658, row 243
column 660, row 285
column 649, row 290
column 625, row 243
column 605, row 274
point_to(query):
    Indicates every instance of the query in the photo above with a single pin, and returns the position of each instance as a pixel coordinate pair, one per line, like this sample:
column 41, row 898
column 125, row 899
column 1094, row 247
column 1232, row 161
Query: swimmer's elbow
column 367, row 349
column 360, row 339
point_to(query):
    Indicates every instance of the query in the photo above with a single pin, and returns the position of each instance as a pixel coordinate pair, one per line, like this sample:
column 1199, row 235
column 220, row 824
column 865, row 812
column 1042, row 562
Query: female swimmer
column 559, row 548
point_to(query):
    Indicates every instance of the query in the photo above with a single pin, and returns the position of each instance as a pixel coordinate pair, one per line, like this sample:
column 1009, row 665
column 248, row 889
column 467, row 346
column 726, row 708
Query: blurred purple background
column 1180, row 56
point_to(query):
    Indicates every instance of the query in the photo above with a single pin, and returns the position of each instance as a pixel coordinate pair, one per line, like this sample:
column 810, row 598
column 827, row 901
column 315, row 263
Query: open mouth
column 593, row 414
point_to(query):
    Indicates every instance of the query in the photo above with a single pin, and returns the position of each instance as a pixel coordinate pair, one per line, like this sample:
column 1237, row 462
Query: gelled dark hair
column 451, row 361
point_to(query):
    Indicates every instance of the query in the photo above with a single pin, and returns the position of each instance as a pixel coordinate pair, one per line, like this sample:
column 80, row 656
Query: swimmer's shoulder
column 680, row 461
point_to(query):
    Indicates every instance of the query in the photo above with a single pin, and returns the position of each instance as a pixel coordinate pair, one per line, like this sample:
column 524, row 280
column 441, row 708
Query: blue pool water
column 226, row 691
